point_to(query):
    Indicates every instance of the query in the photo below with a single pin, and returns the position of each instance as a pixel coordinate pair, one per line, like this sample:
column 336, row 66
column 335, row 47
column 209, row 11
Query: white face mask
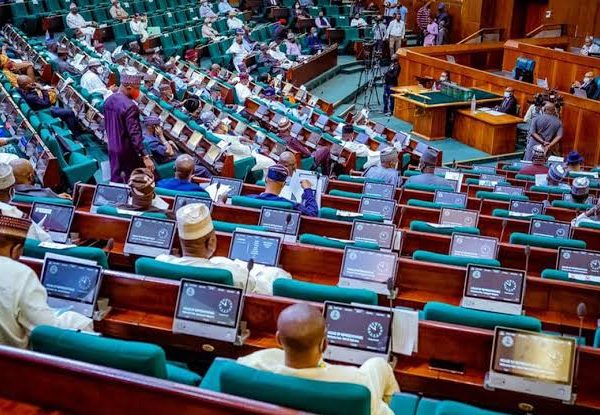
column 506, row 94
column 587, row 79
column 443, row 78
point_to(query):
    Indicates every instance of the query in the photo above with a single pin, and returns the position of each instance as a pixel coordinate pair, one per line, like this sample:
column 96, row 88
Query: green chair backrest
column 458, row 261
column 112, row 211
column 431, row 205
column 519, row 238
column 506, row 197
column 420, row 226
column 143, row 358
column 173, row 193
column 503, row 213
column 252, row 202
column 318, row 240
column 334, row 214
column 229, row 227
column 475, row 318
column 566, row 204
column 21, row 198
column 550, row 189
column 554, row 274
column 153, row 268
column 33, row 249
column 427, row 187
column 307, row 291
column 357, row 179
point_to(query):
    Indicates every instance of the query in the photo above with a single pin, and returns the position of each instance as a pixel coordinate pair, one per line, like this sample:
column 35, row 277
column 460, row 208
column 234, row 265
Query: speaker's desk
column 493, row 134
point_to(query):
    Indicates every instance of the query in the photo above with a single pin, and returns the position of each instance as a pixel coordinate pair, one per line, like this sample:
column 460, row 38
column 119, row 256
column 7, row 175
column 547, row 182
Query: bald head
column 301, row 329
column 184, row 167
column 288, row 159
column 23, row 171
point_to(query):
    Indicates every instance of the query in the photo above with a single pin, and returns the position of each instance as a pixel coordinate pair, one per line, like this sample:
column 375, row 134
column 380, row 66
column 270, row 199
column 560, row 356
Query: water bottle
column 473, row 103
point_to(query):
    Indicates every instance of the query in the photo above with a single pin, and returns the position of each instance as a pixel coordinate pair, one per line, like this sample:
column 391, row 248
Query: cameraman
column 390, row 81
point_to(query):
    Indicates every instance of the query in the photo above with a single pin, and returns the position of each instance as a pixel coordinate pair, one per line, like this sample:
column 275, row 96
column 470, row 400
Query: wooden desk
column 493, row 134
column 428, row 120
column 316, row 65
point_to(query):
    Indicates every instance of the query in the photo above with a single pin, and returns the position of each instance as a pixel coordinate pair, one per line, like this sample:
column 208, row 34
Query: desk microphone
column 123, row 177
column 110, row 244
column 77, row 192
column 288, row 219
column 504, row 223
column 527, row 253
column 217, row 187
column 402, row 212
column 249, row 267
column 581, row 313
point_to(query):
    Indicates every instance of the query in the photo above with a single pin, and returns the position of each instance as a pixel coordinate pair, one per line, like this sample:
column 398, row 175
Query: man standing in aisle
column 546, row 129
column 123, row 129
column 390, row 81
column 395, row 33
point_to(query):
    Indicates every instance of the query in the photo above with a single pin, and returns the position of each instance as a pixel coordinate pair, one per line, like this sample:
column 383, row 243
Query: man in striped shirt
column 423, row 20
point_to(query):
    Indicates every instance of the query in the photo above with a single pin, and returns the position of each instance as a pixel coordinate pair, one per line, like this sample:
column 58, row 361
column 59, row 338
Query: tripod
column 371, row 73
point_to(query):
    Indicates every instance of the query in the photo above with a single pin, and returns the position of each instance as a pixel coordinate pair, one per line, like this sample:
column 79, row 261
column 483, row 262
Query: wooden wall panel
column 581, row 116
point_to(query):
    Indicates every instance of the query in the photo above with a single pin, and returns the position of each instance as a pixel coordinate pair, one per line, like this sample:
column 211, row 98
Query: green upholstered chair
column 504, row 213
column 428, row 187
column 566, row 204
column 411, row 173
column 143, row 358
column 505, row 197
column 318, row 240
column 33, row 249
column 112, row 211
column 243, row 166
column 333, row 214
column 330, row 398
column 554, row 274
column 590, row 225
column 526, row 177
column 173, row 193
column 153, row 268
column 519, row 238
column 285, row 287
column 459, row 408
column 550, row 189
column 77, row 167
column 458, row 261
column 431, row 205
column 230, row 227
column 21, row 198
column 252, row 202
column 597, row 338
column 357, row 179
column 421, row 226
column 475, row 318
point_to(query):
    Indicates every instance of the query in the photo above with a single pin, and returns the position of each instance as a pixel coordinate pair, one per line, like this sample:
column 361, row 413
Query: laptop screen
column 280, row 220
column 450, row 198
column 498, row 284
column 368, row 265
column 490, row 180
column 71, row 280
column 529, row 208
column 381, row 190
column 322, row 120
column 263, row 248
column 376, row 206
column 533, row 355
column 471, row 246
column 511, row 190
column 208, row 303
column 235, row 184
column 296, row 128
column 358, row 327
column 181, row 201
column 107, row 195
column 550, row 228
column 579, row 262
column 56, row 218
column 155, row 233
column 379, row 233
column 458, row 217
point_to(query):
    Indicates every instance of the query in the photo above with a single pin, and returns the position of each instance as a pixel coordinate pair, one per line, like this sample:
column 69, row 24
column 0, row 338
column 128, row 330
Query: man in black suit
column 509, row 103
column 587, row 84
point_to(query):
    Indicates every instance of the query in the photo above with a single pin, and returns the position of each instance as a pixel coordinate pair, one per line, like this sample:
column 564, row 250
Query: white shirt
column 206, row 11
column 23, row 306
column 261, row 276
column 360, row 22
column 234, row 23
column 139, row 28
column 586, row 50
column 238, row 51
column 209, row 32
column 396, row 28
column 76, row 21
column 92, row 82
column 242, row 92
column 35, row 231
column 225, row 7
column 375, row 374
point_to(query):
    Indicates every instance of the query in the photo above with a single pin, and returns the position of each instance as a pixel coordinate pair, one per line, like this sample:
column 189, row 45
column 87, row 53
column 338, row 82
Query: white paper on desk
column 54, row 245
column 295, row 191
column 159, row 203
column 346, row 241
column 347, row 214
column 405, row 331
column 541, row 180
column 583, row 277
column 519, row 214
column 212, row 191
column 495, row 113
column 556, row 159
column 129, row 212
column 440, row 225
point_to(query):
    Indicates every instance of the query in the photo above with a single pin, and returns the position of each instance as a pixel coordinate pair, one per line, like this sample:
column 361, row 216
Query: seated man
column 91, row 81
column 264, row 59
column 279, row 56
column 292, row 48
column 427, row 165
column 63, row 64
column 387, row 169
column 143, row 198
column 105, row 54
column 538, row 163
column 23, row 304
column 556, row 174
column 184, row 171
column 587, row 84
column 199, row 243
column 590, row 215
column 76, row 22
column 209, row 32
column 38, row 99
column 139, row 26
column 580, row 189
column 275, row 181
column 358, row 21
column 234, row 22
column 117, row 12
column 321, row 155
column 162, row 151
column 11, row 68
column 241, row 88
column 348, row 139
column 225, row 7
column 314, row 43
column 25, row 181
column 589, row 46
column 301, row 332
column 574, row 161
column 206, row 10
column 238, row 51
column 509, row 103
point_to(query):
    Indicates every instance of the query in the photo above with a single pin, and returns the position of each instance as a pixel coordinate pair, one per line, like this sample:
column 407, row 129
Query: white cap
column 194, row 221
column 7, row 179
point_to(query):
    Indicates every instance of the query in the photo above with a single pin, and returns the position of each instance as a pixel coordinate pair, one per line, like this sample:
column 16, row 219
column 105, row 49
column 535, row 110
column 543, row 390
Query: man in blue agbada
column 276, row 176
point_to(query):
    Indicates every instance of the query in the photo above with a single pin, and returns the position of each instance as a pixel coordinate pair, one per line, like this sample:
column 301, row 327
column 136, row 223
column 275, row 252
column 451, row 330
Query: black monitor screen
column 156, row 233
column 473, row 246
column 534, row 355
column 71, row 280
column 235, row 184
column 450, row 198
column 530, row 208
column 550, row 228
column 263, row 249
column 368, row 265
column 280, row 220
column 379, row 233
column 494, row 284
column 209, row 303
column 458, row 217
column 381, row 190
column 181, row 201
column 376, row 206
column 358, row 327
column 56, row 218
column 579, row 261
column 107, row 195
column 511, row 190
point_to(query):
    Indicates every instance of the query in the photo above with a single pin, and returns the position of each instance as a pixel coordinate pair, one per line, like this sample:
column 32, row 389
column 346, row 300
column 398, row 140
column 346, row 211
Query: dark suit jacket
column 590, row 89
column 508, row 106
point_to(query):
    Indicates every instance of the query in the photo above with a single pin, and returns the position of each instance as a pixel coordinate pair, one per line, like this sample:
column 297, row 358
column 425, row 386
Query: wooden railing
column 492, row 34
column 549, row 30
